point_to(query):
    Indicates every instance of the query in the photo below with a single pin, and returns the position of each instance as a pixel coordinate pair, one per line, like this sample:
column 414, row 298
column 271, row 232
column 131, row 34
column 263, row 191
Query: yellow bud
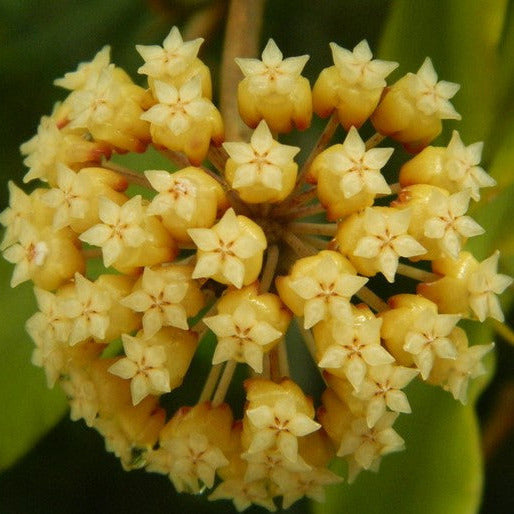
column 63, row 258
column 121, row 319
column 180, row 346
column 188, row 198
column 450, row 292
column 160, row 247
column 398, row 321
column 397, row 117
column 213, row 422
column 425, row 168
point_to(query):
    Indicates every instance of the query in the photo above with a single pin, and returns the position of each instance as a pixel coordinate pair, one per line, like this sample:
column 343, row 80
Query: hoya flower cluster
column 133, row 272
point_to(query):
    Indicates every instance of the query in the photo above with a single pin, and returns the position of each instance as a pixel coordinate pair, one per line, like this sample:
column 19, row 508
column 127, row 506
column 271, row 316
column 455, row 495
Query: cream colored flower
column 359, row 169
column 386, row 239
column 447, row 222
column 294, row 486
column 190, row 462
column 177, row 194
column 88, row 310
column 367, row 445
column 51, row 321
column 28, row 254
column 462, row 163
column 483, row 286
column 178, row 107
column 160, row 300
column 47, row 354
column 327, row 292
column 42, row 150
column 273, row 73
column 358, row 67
column 82, row 396
column 144, row 366
column 354, row 348
column 173, row 58
column 428, row 338
column 121, row 228
column 241, row 337
column 87, row 72
column 70, row 197
column 383, row 388
column 262, row 161
column 467, row 365
column 244, row 494
column 224, row 248
column 270, row 463
column 432, row 97
column 279, row 426
column 20, row 207
column 97, row 102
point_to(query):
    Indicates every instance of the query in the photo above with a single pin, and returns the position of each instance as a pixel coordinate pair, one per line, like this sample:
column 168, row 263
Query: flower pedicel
column 225, row 246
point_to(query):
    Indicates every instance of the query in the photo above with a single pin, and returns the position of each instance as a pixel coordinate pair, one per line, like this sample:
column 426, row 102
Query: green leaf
column 439, row 472
column 29, row 408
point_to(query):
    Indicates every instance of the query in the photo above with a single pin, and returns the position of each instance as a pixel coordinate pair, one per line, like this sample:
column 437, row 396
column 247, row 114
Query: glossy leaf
column 439, row 472
column 29, row 409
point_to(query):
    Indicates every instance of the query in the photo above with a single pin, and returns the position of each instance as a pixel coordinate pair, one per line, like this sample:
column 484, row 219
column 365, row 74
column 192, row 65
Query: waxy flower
column 412, row 108
column 483, row 287
column 383, row 388
column 374, row 240
column 175, row 62
column 448, row 223
column 348, row 349
column 144, row 365
column 87, row 72
column 230, row 251
column 454, row 168
column 120, row 228
column 184, row 120
column 262, row 171
column 367, row 445
column 274, row 90
column 348, row 176
column 166, row 297
column 279, row 426
column 353, row 85
column 319, row 288
column 241, row 337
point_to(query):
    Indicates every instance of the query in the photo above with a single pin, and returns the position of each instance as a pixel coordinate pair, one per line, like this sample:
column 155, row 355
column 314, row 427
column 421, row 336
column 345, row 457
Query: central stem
column 241, row 40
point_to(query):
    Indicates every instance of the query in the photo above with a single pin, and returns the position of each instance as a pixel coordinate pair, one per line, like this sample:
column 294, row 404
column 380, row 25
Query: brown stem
column 133, row 177
column 204, row 22
column 241, row 40
column 301, row 248
column 320, row 244
column 308, row 210
column 295, row 201
column 374, row 140
column 176, row 158
column 218, row 157
column 318, row 229
column 270, row 266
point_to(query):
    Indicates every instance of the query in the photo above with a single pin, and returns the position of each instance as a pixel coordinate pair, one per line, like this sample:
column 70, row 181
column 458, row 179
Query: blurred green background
column 471, row 42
